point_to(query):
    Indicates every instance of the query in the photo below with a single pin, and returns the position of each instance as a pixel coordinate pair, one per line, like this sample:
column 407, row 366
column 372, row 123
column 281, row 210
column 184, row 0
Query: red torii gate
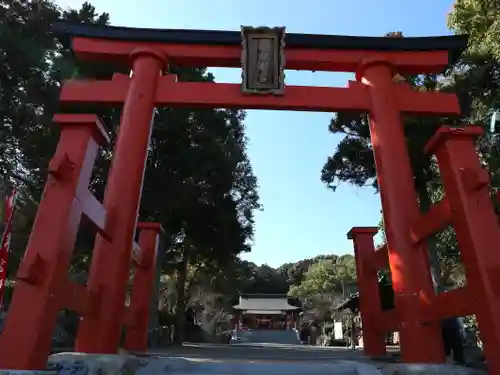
column 468, row 206
column 42, row 288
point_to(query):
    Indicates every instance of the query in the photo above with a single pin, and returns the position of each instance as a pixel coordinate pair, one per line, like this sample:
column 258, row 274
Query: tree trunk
column 180, row 310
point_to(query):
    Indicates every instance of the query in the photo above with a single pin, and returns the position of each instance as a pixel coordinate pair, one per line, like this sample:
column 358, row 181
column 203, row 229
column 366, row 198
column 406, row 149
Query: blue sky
column 301, row 217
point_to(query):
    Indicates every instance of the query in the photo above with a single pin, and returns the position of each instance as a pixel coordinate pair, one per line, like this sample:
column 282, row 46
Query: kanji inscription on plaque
column 263, row 60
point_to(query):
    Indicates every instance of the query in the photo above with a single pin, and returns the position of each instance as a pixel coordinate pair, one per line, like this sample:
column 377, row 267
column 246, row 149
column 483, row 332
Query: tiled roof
column 264, row 304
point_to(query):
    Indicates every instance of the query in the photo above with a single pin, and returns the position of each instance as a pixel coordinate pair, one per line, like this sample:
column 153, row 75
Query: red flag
column 9, row 205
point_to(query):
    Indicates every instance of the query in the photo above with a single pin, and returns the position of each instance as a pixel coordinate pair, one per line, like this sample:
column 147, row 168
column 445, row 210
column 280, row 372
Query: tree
column 480, row 19
column 24, row 41
column 199, row 182
column 478, row 71
column 32, row 64
column 322, row 286
column 353, row 160
column 294, row 272
column 199, row 157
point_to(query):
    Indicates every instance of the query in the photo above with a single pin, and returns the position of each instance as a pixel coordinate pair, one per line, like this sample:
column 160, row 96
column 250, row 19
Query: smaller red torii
column 42, row 287
column 467, row 205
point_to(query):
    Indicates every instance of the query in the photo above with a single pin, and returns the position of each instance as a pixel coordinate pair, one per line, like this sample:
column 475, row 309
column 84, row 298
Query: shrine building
column 265, row 311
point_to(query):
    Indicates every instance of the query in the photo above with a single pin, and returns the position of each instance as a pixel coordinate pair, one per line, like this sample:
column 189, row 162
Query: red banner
column 9, row 205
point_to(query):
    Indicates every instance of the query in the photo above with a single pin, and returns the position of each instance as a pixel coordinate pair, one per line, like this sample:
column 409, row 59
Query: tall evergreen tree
column 199, row 181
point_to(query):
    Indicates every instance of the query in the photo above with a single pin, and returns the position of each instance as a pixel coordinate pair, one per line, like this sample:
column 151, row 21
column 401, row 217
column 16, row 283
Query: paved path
column 242, row 359
column 253, row 352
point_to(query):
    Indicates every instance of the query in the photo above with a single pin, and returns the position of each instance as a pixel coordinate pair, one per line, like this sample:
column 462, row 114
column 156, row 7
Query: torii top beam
column 223, row 48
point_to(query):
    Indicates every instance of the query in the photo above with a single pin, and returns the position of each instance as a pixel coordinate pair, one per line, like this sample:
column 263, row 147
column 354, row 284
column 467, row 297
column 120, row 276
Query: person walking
column 351, row 334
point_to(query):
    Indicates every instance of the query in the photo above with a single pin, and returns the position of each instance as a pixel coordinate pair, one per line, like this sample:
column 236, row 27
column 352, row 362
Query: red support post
column 410, row 274
column 369, row 296
column 110, row 263
column 42, row 281
column 136, row 339
column 466, row 185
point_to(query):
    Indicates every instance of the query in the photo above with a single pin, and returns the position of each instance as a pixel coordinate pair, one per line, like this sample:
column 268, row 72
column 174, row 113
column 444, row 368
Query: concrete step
column 270, row 336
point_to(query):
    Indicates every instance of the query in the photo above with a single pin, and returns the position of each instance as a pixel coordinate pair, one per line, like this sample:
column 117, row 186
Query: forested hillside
column 314, row 284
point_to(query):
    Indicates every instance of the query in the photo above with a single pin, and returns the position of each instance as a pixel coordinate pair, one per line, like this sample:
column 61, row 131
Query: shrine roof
column 264, row 303
column 455, row 44
column 263, row 295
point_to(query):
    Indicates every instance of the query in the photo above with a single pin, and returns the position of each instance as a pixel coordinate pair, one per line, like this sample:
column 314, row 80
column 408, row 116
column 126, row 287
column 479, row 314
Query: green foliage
column 323, row 285
column 244, row 277
column 478, row 71
column 353, row 160
column 475, row 79
column 294, row 272
column 480, row 19
column 199, row 181
column 325, row 277
column 32, row 64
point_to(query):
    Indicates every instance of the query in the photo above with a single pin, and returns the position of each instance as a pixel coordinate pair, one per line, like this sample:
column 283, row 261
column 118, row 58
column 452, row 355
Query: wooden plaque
column 263, row 60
